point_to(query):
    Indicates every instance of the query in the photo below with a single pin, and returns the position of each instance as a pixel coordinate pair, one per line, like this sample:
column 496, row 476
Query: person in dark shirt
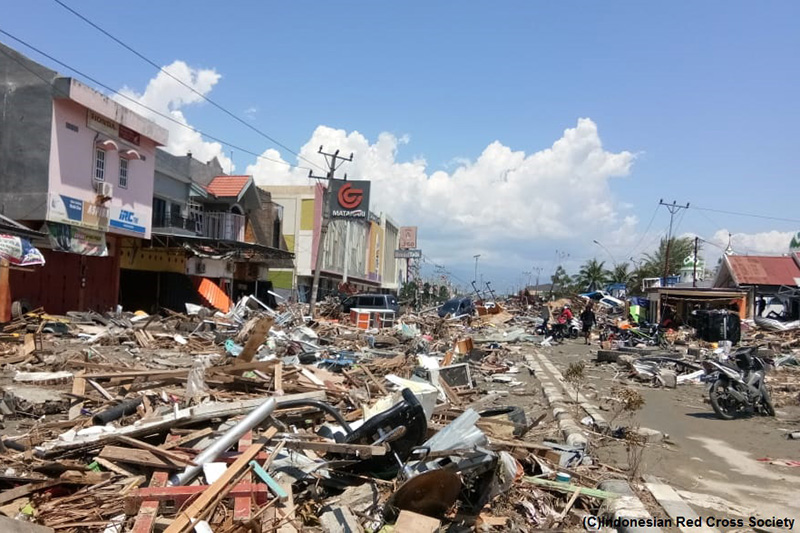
column 588, row 319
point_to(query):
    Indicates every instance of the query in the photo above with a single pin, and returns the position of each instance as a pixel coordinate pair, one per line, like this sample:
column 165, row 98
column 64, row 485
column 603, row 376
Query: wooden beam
column 172, row 456
column 79, row 388
column 257, row 337
column 183, row 520
column 137, row 457
column 363, row 450
column 194, row 435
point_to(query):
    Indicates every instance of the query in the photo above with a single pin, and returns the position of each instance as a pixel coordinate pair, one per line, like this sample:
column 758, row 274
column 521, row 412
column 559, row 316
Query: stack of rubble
column 264, row 419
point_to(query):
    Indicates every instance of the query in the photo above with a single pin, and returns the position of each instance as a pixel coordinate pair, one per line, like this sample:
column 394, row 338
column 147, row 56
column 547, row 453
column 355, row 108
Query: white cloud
column 768, row 242
column 166, row 96
column 561, row 192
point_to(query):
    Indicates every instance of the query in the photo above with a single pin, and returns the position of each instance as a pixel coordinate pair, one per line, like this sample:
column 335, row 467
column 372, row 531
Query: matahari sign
column 349, row 199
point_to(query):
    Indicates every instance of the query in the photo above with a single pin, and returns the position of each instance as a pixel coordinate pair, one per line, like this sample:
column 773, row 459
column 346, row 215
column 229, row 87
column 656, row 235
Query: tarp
column 72, row 239
column 19, row 251
column 212, row 294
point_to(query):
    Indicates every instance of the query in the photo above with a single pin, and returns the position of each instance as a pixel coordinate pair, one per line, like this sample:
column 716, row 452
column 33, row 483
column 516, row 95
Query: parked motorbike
column 735, row 390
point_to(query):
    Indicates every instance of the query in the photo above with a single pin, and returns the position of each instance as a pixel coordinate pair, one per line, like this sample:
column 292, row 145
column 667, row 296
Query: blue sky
column 703, row 95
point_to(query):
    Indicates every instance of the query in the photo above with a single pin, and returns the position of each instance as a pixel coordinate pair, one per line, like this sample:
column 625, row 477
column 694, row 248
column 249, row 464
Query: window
column 159, row 213
column 99, row 164
column 123, row 173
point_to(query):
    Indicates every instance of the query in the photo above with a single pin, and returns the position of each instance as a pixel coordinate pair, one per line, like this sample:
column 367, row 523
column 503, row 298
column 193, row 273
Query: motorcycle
column 734, row 390
column 560, row 330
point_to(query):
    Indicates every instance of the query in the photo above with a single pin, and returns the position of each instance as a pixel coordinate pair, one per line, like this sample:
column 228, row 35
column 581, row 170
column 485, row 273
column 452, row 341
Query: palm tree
column 621, row 273
column 592, row 275
column 679, row 249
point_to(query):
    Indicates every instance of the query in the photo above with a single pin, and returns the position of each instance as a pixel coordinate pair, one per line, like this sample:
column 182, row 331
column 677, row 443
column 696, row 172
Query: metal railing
column 224, row 226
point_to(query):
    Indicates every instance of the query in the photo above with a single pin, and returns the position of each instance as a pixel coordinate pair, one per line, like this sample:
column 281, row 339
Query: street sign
column 408, row 254
column 408, row 237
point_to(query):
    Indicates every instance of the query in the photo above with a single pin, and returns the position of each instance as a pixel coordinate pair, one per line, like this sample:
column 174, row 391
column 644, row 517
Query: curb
column 592, row 410
column 573, row 435
column 627, row 507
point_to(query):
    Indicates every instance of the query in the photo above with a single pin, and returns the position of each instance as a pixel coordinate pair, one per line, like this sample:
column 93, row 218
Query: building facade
column 80, row 166
column 358, row 255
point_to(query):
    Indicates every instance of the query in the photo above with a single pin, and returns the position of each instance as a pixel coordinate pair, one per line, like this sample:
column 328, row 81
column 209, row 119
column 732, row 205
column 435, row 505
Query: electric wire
column 752, row 215
column 195, row 91
column 133, row 100
column 649, row 225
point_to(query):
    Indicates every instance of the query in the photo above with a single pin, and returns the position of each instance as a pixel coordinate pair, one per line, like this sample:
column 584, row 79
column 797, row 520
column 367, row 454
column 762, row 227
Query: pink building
column 80, row 167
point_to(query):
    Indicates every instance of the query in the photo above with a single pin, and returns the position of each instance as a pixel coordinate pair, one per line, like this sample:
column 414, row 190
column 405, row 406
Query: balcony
column 224, row 226
column 176, row 223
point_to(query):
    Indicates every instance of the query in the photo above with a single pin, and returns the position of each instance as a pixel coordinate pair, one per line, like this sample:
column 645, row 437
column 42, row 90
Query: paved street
column 706, row 455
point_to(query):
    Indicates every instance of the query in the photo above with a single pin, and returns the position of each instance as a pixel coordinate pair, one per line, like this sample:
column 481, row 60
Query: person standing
column 588, row 319
column 544, row 314
column 762, row 304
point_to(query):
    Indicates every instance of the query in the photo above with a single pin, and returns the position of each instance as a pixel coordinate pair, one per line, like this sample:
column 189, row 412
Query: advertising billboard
column 408, row 237
column 349, row 199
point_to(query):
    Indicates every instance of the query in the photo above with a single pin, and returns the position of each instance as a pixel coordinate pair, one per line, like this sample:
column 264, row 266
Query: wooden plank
column 137, row 457
column 113, row 467
column 241, row 504
column 148, row 511
column 269, row 481
column 23, row 490
column 418, row 523
column 103, row 392
column 257, row 337
column 79, row 388
column 452, row 397
column 375, row 380
column 194, row 435
column 363, row 450
column 285, row 511
column 172, row 456
column 277, row 385
column 674, row 505
column 184, row 519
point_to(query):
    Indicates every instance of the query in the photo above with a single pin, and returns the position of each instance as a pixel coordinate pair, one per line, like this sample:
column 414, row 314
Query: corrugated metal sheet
column 212, row 294
column 764, row 270
column 227, row 186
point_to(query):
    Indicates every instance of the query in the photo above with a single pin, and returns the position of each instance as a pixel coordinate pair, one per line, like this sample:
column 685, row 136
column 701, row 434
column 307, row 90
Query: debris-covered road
column 266, row 420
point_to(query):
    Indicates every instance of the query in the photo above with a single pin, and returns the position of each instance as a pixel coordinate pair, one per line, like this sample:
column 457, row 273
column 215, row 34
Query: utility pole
column 672, row 208
column 475, row 277
column 694, row 270
column 331, row 160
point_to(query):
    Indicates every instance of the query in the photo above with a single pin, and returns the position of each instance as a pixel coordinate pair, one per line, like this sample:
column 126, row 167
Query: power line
column 133, row 100
column 753, row 215
column 649, row 224
column 195, row 91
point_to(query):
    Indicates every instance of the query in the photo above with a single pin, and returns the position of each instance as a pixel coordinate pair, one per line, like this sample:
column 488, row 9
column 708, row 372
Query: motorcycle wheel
column 766, row 401
column 573, row 333
column 720, row 401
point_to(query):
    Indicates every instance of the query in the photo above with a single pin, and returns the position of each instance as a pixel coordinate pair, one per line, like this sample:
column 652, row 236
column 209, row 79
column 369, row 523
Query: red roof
column 228, row 186
column 764, row 270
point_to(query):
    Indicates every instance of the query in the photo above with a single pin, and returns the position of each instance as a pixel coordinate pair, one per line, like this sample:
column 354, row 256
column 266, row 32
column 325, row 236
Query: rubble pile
column 263, row 419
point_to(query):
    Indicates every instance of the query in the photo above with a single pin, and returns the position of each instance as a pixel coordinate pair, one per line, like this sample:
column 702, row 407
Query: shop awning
column 217, row 247
column 212, row 294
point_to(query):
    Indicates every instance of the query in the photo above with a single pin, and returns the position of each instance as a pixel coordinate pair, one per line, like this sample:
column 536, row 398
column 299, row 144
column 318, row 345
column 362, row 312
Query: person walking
column 588, row 319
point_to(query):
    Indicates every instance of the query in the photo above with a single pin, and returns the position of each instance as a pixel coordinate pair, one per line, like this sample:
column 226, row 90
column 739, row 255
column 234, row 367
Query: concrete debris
column 262, row 419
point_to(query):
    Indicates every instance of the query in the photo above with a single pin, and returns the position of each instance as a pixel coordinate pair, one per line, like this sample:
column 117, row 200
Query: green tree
column 622, row 273
column 408, row 293
column 679, row 249
column 444, row 294
column 561, row 282
column 592, row 275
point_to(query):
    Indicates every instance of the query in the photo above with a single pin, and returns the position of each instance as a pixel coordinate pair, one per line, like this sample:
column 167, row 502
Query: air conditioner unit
column 106, row 190
column 200, row 268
